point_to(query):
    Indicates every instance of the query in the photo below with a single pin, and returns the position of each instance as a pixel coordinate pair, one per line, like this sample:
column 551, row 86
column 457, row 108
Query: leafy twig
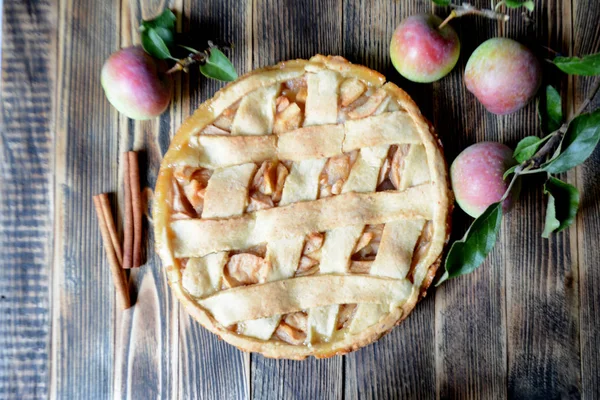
column 158, row 36
column 541, row 155
column 564, row 148
column 511, row 184
column 184, row 63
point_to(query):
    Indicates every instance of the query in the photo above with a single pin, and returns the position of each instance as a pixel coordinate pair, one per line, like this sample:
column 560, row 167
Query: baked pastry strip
column 199, row 237
column 213, row 151
column 256, row 111
column 202, row 275
column 416, row 170
column 321, row 108
column 244, row 303
column 377, row 101
column 396, row 248
column 226, row 151
column 393, row 260
column 339, row 242
column 322, row 100
column 386, row 128
column 311, row 142
column 227, row 191
column 227, row 98
column 284, row 254
column 398, row 240
column 302, row 184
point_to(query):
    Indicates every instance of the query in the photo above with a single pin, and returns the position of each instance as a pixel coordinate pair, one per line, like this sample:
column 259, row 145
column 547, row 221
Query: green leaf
column 165, row 20
column 218, row 66
column 578, row 144
column 158, row 34
column 527, row 148
column 153, row 44
column 467, row 254
column 528, row 4
column 442, row 2
column 509, row 171
column 550, row 110
column 166, row 35
column 563, row 203
column 588, row 65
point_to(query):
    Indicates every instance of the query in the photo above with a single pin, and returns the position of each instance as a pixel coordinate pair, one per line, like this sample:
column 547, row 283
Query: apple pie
column 303, row 210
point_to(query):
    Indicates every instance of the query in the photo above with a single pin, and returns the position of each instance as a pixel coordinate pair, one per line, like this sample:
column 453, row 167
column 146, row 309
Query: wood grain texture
column 147, row 338
column 402, row 364
column 541, row 275
column 287, row 379
column 209, row 367
column 26, row 139
column 83, row 303
column 525, row 325
column 470, row 321
column 586, row 40
column 284, row 30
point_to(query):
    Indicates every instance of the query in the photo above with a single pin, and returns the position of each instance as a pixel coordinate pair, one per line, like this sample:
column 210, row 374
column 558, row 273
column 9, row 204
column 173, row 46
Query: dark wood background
column 525, row 325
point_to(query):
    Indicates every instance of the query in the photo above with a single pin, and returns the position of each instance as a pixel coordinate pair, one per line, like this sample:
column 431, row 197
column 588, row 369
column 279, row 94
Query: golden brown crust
column 206, row 113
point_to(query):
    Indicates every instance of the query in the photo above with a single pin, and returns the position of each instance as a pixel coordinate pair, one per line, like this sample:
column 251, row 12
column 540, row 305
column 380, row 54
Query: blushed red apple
column 135, row 83
column 477, row 177
column 421, row 52
column 503, row 74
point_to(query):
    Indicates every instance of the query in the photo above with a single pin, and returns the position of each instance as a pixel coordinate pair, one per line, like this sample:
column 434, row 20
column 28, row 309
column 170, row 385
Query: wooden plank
column 586, row 40
column 282, row 31
column 84, row 305
column 287, row 379
column 26, row 197
column 147, row 337
column 470, row 311
column 209, row 367
column 289, row 30
column 541, row 275
column 402, row 364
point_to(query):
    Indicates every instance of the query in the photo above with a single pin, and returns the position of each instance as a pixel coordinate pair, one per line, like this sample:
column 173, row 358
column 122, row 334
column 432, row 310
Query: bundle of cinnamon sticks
column 131, row 254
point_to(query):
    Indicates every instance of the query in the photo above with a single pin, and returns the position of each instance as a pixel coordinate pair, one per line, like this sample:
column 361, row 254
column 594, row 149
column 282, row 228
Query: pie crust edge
column 203, row 116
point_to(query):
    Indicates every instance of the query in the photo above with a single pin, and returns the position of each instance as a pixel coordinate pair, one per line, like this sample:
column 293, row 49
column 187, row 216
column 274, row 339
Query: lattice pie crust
column 303, row 210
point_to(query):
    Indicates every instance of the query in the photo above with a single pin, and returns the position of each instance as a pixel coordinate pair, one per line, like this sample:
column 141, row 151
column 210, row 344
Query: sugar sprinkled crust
column 381, row 101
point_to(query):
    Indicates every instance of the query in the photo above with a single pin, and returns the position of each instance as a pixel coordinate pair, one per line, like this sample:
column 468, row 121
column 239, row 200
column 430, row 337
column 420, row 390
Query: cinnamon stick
column 112, row 229
column 136, row 203
column 128, row 225
column 119, row 277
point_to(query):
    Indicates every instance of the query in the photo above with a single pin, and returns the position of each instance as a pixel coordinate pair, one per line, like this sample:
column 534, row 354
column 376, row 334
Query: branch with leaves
column 566, row 146
column 158, row 38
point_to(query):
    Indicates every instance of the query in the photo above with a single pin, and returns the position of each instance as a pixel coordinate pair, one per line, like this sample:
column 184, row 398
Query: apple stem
column 448, row 19
column 467, row 9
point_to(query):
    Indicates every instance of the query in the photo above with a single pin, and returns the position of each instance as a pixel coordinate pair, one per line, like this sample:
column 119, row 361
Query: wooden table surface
column 525, row 325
